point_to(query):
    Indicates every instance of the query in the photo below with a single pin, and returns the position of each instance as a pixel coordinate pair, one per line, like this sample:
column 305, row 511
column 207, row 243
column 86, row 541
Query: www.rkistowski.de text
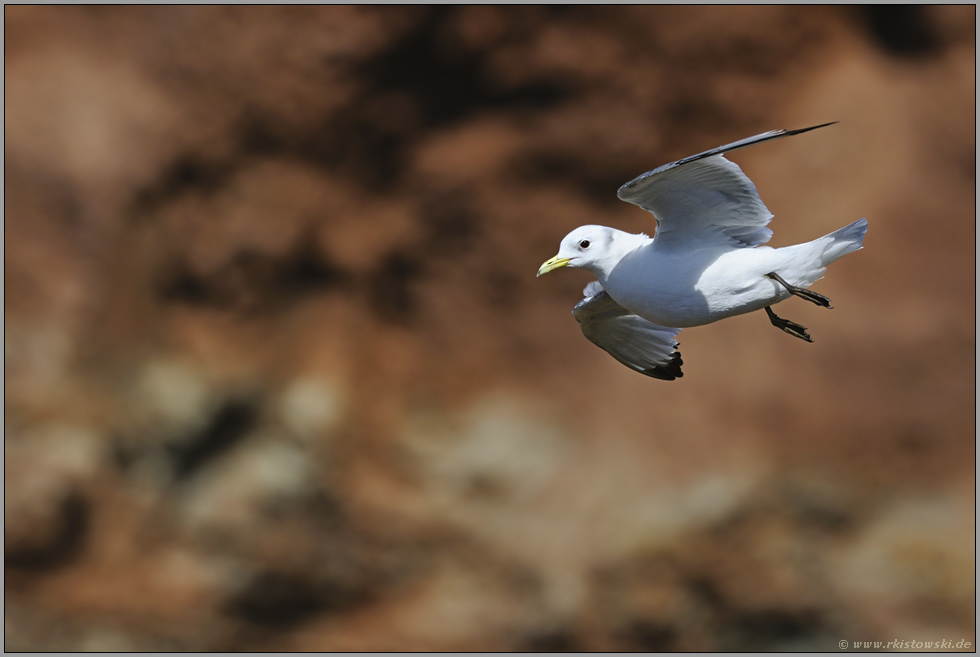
column 943, row 644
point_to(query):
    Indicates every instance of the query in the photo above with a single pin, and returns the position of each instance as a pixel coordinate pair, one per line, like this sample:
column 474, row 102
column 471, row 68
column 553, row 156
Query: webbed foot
column 801, row 292
column 792, row 328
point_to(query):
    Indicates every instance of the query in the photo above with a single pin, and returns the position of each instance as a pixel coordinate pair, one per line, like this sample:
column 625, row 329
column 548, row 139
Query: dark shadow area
column 422, row 81
column 765, row 630
column 278, row 600
column 449, row 229
column 188, row 174
column 228, row 427
column 390, row 294
column 326, row 510
column 254, row 282
column 306, row 270
column 181, row 285
column 742, row 630
column 63, row 547
column 650, row 636
column 901, row 30
column 360, row 141
column 557, row 641
column 705, row 592
column 446, row 80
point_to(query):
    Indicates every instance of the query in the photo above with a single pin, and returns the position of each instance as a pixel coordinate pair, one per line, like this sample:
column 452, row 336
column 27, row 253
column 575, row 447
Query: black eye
column 584, row 244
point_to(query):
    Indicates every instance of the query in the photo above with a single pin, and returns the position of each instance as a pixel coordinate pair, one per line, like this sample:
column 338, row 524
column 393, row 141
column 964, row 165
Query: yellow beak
column 554, row 263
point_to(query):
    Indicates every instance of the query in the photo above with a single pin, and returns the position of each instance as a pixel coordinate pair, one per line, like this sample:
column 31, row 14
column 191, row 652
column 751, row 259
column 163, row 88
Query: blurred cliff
column 279, row 375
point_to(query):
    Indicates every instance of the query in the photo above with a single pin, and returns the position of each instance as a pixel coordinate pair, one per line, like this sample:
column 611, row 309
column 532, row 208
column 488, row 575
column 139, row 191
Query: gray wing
column 633, row 341
column 705, row 197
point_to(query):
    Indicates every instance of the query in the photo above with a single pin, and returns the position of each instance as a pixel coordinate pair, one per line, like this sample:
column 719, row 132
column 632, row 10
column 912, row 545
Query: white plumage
column 703, row 264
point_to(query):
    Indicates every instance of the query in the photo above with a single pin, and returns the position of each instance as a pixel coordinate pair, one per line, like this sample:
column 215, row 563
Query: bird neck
column 620, row 245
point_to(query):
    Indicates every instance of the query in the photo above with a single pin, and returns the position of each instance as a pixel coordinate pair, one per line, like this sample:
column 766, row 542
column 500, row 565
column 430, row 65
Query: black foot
column 801, row 292
column 792, row 328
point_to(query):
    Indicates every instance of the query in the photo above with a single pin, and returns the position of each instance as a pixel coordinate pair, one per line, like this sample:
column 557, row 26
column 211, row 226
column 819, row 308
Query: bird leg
column 790, row 327
column 801, row 292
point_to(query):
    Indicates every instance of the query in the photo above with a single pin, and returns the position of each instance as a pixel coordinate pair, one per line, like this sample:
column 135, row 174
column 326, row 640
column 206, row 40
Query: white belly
column 697, row 288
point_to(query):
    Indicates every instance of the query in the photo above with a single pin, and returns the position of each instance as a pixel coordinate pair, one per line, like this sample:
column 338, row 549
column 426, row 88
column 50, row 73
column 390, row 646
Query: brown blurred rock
column 46, row 513
column 279, row 376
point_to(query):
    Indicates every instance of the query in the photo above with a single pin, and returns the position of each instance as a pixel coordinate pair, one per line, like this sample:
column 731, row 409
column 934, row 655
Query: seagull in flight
column 704, row 263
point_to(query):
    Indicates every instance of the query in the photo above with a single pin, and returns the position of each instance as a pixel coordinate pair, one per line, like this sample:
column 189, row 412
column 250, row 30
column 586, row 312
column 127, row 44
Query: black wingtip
column 628, row 191
column 668, row 372
column 800, row 131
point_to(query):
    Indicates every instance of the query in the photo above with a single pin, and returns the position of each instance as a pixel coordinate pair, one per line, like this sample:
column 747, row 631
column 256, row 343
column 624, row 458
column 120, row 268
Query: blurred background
column 279, row 375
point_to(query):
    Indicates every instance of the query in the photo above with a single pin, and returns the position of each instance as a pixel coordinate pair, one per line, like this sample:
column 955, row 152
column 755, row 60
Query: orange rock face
column 279, row 374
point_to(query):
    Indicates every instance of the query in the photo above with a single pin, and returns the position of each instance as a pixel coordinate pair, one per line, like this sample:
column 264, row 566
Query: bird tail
column 806, row 263
column 841, row 242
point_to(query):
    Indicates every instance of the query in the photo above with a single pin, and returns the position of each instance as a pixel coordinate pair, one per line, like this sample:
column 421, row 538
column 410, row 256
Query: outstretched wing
column 705, row 197
column 633, row 341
